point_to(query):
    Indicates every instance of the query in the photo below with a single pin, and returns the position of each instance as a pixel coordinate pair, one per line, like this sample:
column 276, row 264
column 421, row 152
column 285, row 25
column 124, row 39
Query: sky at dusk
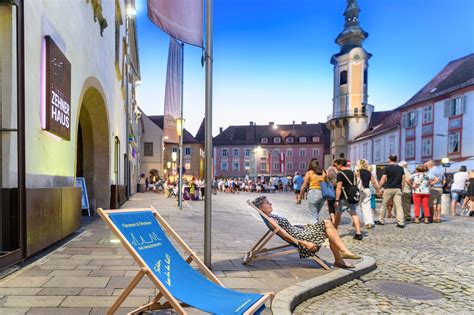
column 272, row 57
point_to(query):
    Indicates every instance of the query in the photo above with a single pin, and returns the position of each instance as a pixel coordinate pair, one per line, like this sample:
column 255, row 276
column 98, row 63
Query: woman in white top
column 458, row 187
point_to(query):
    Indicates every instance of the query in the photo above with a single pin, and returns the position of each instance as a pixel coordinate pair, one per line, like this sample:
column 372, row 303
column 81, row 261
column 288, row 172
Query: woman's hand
column 310, row 246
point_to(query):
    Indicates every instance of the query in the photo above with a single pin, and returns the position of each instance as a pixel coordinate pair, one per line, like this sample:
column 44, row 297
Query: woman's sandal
column 416, row 221
column 343, row 266
column 350, row 256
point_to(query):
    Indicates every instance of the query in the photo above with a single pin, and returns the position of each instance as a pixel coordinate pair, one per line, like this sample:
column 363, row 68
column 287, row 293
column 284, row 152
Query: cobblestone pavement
column 85, row 275
column 438, row 256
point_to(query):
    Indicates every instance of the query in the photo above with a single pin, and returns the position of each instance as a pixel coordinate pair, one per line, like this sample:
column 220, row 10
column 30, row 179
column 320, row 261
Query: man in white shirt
column 458, row 187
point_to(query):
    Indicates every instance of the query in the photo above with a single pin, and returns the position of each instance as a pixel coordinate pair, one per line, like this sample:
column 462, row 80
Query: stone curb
column 286, row 300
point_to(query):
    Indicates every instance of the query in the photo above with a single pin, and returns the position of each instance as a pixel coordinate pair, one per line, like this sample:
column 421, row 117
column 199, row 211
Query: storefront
column 65, row 107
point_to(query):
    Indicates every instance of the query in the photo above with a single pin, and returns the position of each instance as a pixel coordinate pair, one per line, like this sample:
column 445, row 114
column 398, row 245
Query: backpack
column 351, row 192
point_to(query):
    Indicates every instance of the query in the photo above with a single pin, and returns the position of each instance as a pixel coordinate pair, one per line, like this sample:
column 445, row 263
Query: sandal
column 416, row 221
column 427, row 221
column 343, row 266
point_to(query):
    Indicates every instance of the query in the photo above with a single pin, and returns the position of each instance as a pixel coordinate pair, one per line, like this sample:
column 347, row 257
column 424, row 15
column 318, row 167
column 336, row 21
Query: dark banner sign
column 58, row 91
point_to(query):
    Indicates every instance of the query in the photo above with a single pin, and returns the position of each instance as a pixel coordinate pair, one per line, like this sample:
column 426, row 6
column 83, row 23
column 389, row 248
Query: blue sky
column 271, row 57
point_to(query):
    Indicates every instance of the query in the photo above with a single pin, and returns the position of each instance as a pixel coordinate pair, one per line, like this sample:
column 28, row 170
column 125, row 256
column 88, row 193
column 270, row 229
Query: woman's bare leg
column 337, row 219
column 336, row 253
column 334, row 239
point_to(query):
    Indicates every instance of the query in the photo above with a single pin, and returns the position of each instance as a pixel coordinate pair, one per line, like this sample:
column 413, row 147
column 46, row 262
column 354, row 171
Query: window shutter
column 447, row 103
column 404, row 120
column 416, row 118
column 463, row 105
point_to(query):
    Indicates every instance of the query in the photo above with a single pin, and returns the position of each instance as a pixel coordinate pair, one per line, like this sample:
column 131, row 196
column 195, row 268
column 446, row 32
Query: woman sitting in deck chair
column 311, row 236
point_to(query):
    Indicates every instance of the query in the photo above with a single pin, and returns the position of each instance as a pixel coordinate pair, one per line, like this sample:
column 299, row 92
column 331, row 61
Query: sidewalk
column 85, row 275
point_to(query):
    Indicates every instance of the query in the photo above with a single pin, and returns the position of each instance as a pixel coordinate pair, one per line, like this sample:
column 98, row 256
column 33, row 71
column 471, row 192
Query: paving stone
column 24, row 282
column 14, row 310
column 19, row 291
column 32, row 301
column 73, row 282
column 60, row 291
column 102, row 301
column 59, row 311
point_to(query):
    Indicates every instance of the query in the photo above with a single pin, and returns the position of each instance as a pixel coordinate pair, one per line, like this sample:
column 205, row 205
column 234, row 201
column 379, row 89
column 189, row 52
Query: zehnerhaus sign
column 58, row 91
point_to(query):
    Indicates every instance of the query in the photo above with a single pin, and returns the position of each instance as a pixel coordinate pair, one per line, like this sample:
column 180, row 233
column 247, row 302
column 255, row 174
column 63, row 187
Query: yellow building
column 68, row 112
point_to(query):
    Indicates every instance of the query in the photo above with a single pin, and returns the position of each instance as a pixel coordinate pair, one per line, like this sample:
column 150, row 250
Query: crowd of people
column 356, row 189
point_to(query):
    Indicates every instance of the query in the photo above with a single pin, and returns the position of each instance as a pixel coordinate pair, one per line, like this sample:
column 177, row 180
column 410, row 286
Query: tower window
column 365, row 76
column 343, row 77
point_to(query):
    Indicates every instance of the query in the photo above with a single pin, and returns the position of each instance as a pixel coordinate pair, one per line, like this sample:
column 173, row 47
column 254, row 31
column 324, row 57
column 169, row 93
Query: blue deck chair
column 142, row 233
column 259, row 252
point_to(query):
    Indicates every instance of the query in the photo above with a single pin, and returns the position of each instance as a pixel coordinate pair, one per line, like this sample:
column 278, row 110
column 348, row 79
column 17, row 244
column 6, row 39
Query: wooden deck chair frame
column 259, row 252
column 170, row 301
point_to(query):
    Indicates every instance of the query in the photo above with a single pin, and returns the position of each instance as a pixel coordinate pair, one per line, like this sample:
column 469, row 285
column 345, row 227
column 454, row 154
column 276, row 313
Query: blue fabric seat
column 186, row 284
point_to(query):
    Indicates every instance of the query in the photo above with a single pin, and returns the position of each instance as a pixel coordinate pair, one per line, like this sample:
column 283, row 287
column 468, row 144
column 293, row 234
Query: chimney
column 251, row 123
column 271, row 123
column 293, row 124
column 303, row 122
column 220, row 129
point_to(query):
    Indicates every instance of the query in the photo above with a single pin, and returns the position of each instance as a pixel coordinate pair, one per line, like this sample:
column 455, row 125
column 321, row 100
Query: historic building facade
column 68, row 112
column 351, row 112
column 269, row 150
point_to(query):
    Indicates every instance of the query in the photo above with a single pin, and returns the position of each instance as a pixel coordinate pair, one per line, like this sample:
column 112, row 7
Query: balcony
column 348, row 114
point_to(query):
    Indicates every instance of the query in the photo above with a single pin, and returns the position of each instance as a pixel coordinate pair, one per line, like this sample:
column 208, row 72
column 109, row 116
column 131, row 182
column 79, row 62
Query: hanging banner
column 173, row 87
column 57, row 93
column 181, row 19
column 282, row 163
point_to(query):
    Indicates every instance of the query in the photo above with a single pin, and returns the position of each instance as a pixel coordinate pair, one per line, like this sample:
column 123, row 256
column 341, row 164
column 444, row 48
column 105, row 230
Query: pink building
column 269, row 150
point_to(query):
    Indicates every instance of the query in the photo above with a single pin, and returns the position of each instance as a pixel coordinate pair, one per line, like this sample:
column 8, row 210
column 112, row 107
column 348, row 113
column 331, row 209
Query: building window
column 343, row 77
column 187, row 151
column 187, row 165
column 316, row 139
column 302, row 139
column 366, row 75
column 454, row 145
column 224, row 166
column 247, row 166
column 276, row 140
column 264, row 140
column 290, row 140
column 426, row 145
column 410, row 150
column 235, row 166
column 236, row 153
column 315, row 152
column 391, row 145
column 428, row 114
column 264, row 153
column 378, row 149
column 289, row 152
column 174, row 149
column 148, row 149
column 409, row 119
column 302, row 166
column 263, row 166
column 454, row 107
column 289, row 166
column 247, row 153
column 302, row 152
column 276, row 153
column 276, row 166
column 224, row 153
column 365, row 151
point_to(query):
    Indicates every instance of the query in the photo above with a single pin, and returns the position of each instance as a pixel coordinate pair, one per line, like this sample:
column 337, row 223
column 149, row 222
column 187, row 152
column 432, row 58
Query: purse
column 327, row 190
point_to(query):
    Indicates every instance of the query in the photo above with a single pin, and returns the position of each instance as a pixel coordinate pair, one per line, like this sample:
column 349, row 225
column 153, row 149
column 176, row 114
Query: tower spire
column 352, row 35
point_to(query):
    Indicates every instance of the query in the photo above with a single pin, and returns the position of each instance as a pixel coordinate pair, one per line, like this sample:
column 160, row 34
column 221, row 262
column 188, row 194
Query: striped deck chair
column 259, row 252
column 142, row 233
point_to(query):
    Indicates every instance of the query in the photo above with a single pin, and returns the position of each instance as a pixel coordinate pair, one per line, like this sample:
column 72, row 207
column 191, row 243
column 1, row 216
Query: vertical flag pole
column 208, row 136
column 180, row 194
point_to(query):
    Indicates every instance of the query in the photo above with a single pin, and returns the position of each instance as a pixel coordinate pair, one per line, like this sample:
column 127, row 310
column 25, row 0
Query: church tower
column 351, row 113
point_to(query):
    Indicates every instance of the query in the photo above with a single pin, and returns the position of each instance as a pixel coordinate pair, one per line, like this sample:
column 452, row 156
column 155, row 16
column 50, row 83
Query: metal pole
column 208, row 136
column 180, row 181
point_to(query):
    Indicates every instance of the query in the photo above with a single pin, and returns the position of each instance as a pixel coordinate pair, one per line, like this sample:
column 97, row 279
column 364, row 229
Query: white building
column 380, row 140
column 437, row 122
column 152, row 147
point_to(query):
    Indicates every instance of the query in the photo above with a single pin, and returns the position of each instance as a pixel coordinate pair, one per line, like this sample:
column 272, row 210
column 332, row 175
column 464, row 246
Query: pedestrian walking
column 436, row 191
column 458, row 188
column 312, row 179
column 331, row 177
column 297, row 182
column 347, row 196
column 406, row 193
column 421, row 182
column 365, row 175
column 393, row 181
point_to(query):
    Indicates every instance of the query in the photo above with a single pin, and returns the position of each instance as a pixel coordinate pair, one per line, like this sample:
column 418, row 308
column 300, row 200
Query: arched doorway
column 92, row 153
